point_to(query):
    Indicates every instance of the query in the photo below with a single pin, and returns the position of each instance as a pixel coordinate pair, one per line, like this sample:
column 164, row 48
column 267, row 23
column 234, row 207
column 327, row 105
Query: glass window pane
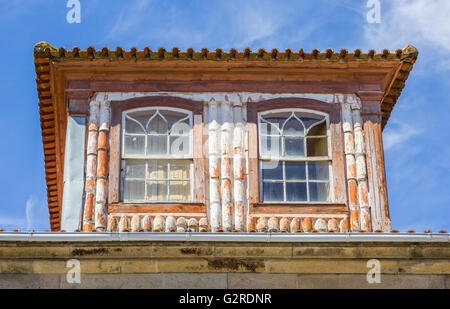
column 134, row 145
column 180, row 169
column 293, row 127
column 269, row 128
column 317, row 146
column 295, row 170
column 135, row 169
column 157, row 169
column 273, row 192
column 132, row 126
column 134, row 190
column 158, row 125
column 311, row 119
column 180, row 191
column 272, row 170
column 294, row 146
column 180, row 127
column 179, row 145
column 319, row 191
column 157, row 190
column 173, row 117
column 156, row 144
column 296, row 192
column 320, row 129
column 318, row 171
column 275, row 122
column 271, row 146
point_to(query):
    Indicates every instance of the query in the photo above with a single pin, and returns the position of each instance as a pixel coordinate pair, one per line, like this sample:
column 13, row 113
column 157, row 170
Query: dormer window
column 157, row 155
column 294, row 156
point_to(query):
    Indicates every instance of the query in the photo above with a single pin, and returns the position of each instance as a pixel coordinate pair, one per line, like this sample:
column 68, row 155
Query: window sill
column 297, row 208
column 176, row 207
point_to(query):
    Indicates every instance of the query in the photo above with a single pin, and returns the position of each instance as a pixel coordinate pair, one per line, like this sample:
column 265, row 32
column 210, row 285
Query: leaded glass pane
column 156, row 144
column 134, row 145
column 180, row 169
column 134, row 190
column 179, row 145
column 318, row 170
column 295, row 170
column 158, row 125
column 294, row 146
column 273, row 191
column 157, row 169
column 271, row 146
column 296, row 192
column 179, row 191
column 317, row 147
column 318, row 130
column 157, row 190
column 319, row 191
column 135, row 169
column 272, row 170
column 293, row 127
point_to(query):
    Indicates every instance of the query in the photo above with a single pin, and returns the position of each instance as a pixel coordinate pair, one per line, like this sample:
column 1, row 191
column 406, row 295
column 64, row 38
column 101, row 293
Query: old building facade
column 158, row 141
column 219, row 170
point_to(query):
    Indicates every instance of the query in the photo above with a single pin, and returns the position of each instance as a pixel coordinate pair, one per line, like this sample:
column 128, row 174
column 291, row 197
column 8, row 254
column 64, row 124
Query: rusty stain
column 89, row 252
column 235, row 264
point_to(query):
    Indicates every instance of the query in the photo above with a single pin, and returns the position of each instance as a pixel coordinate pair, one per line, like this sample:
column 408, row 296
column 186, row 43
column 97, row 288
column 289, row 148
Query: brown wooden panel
column 199, row 161
column 78, row 106
column 223, row 86
column 156, row 208
column 338, row 163
column 279, row 208
column 78, row 84
column 253, row 169
column 114, row 164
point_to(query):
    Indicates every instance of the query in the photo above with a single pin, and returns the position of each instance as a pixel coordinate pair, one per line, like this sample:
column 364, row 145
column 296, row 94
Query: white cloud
column 251, row 24
column 30, row 204
column 35, row 216
column 129, row 18
column 399, row 134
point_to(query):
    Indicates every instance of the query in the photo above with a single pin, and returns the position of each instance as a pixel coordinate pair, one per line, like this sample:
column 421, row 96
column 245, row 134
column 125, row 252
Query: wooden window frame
column 197, row 204
column 338, row 199
column 305, row 158
column 163, row 157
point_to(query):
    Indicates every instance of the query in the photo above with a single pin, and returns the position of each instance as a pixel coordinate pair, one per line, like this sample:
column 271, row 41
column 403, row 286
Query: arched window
column 157, row 155
column 294, row 155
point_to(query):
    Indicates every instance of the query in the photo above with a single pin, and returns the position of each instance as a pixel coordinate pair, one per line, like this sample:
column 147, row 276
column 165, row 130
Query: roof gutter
column 225, row 237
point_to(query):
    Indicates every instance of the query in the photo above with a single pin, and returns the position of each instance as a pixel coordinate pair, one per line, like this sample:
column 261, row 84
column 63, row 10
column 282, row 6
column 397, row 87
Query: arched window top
column 157, row 132
column 293, row 122
column 157, row 120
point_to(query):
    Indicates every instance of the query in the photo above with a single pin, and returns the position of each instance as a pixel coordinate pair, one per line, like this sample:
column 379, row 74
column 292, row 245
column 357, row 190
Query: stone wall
column 157, row 264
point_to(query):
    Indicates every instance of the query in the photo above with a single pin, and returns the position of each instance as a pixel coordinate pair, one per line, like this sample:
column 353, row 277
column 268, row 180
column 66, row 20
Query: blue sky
column 416, row 139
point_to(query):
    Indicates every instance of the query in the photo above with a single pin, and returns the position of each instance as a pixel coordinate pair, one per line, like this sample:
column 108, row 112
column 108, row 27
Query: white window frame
column 282, row 159
column 166, row 157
